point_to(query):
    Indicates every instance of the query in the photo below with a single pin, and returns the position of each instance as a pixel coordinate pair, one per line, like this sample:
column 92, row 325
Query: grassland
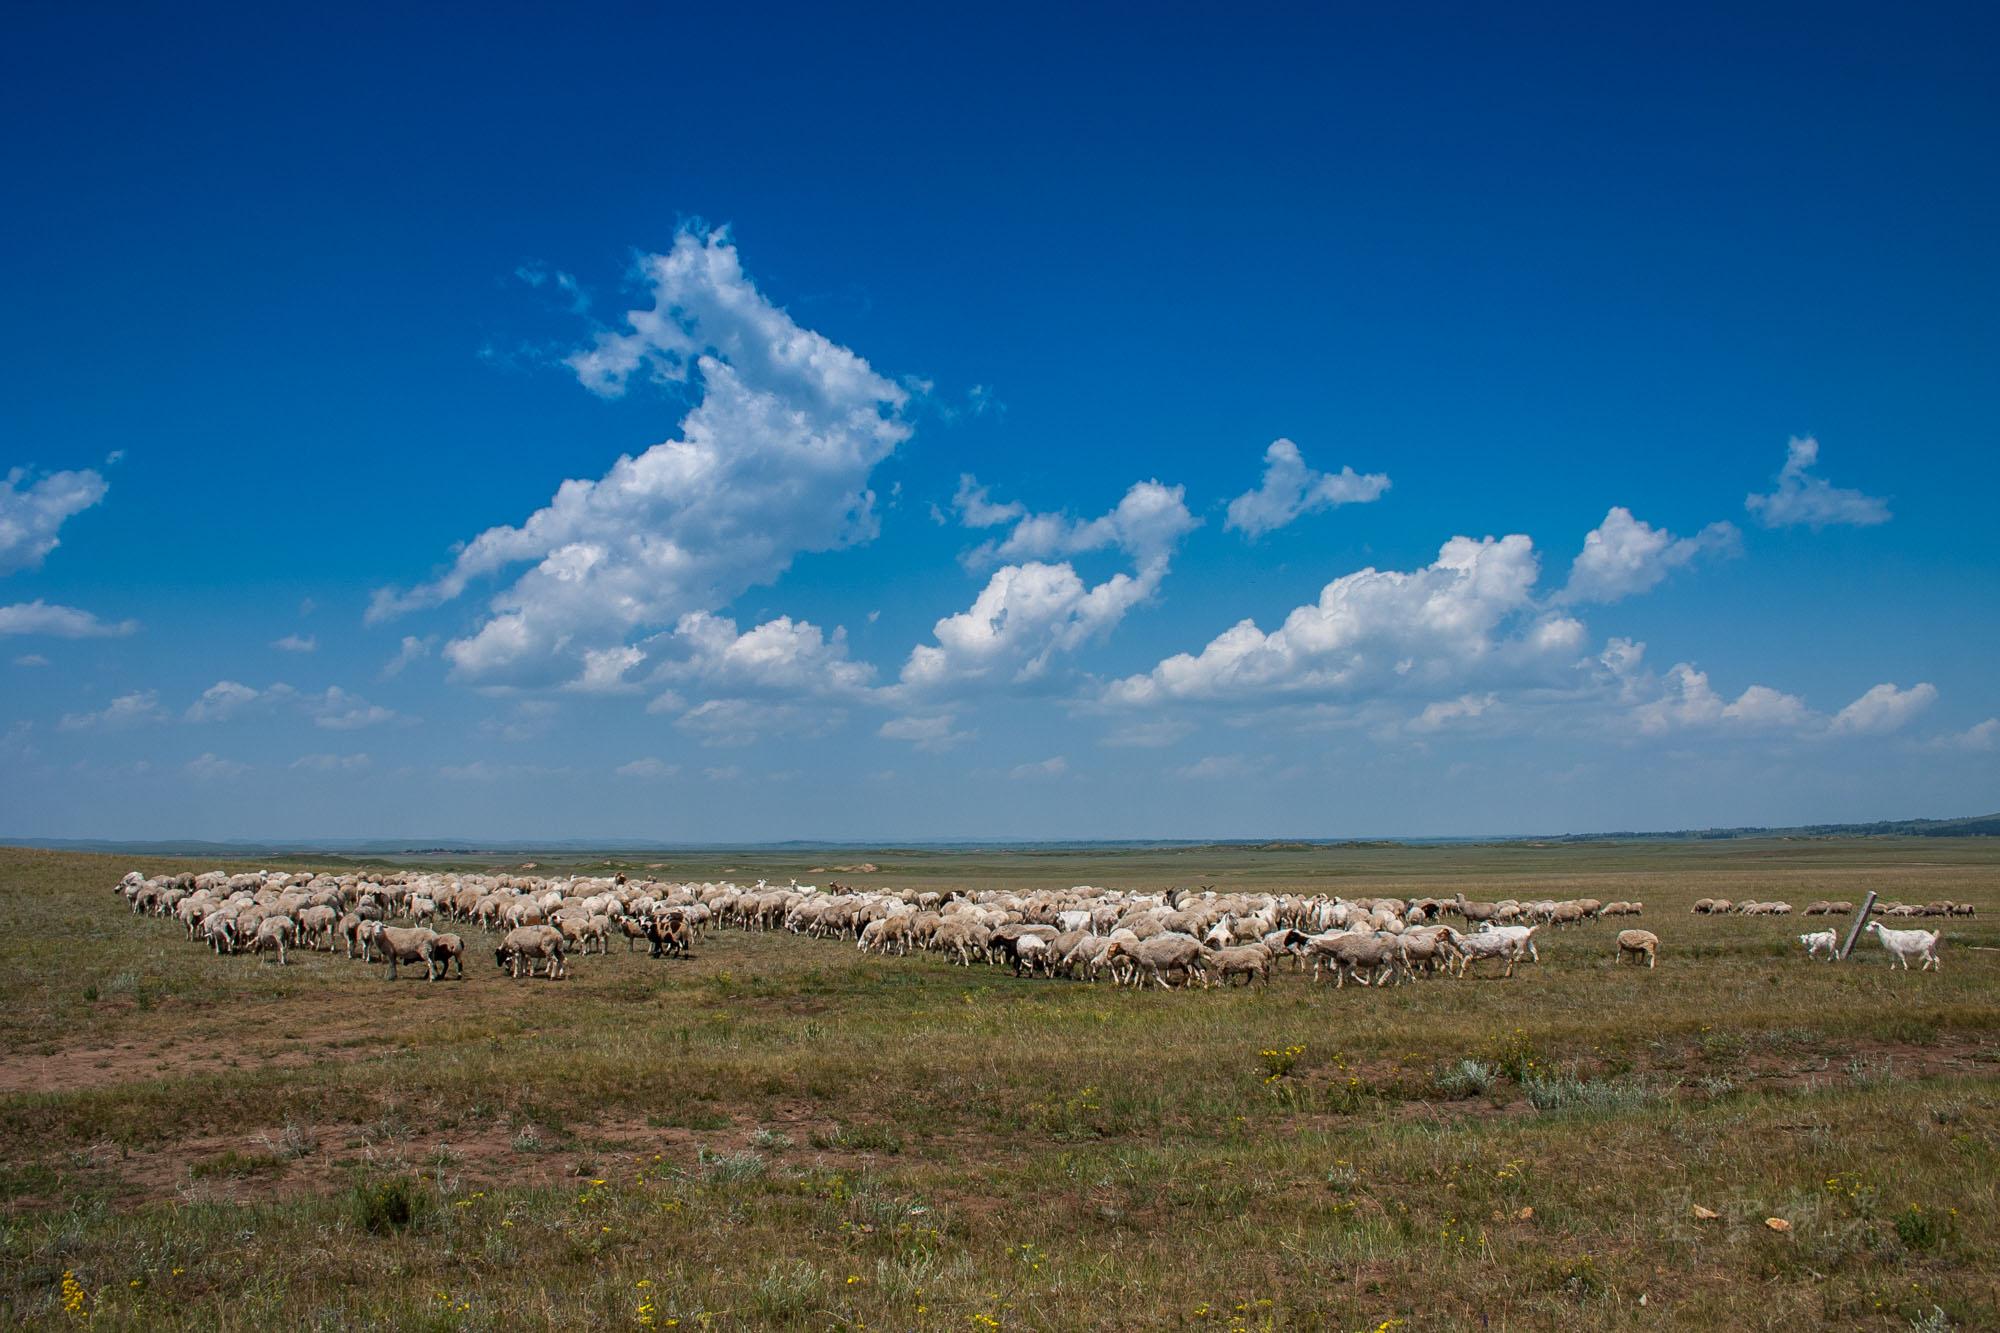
column 780, row 1133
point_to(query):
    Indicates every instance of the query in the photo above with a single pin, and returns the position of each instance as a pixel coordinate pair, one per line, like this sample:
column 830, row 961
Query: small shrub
column 771, row 1139
column 1467, row 1078
column 1921, row 1228
column 1518, row 1056
column 292, row 1142
column 386, row 1206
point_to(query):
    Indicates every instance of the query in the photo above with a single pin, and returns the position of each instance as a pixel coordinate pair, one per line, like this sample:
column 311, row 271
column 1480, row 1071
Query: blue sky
column 952, row 365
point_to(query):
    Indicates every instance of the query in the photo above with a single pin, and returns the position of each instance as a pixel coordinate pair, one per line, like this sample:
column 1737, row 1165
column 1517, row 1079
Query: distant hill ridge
column 1976, row 826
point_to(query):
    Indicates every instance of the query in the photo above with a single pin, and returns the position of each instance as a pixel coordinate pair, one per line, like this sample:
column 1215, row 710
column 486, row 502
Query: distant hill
column 372, row 849
column 1976, row 826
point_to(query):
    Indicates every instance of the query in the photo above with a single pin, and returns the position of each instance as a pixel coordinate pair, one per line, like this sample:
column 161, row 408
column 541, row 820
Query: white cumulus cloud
column 1624, row 555
column 1375, row 630
column 33, row 512
column 1803, row 498
column 773, row 461
column 60, row 622
column 1031, row 611
column 1884, row 708
column 1687, row 700
column 1290, row 490
column 1980, row 738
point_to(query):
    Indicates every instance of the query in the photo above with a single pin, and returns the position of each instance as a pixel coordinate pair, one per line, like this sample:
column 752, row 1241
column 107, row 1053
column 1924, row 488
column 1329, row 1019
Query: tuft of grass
column 1568, row 1092
column 387, row 1207
column 233, row 1165
column 730, row 1167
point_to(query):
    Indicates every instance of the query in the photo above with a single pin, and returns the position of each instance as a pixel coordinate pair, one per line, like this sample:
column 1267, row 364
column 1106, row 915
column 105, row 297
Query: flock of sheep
column 1749, row 907
column 1175, row 939
column 541, row 923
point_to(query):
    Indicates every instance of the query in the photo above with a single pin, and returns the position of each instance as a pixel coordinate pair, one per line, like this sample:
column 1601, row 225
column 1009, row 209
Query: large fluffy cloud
column 1624, row 555
column 1290, row 489
column 1033, row 610
column 772, row 461
column 1378, row 631
column 1883, row 708
column 32, row 512
column 1814, row 501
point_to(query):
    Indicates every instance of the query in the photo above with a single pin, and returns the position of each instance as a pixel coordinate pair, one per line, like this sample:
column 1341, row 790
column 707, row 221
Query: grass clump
column 1566, row 1091
column 387, row 1207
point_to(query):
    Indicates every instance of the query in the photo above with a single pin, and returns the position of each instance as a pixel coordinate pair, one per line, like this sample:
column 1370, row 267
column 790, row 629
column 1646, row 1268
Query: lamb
column 523, row 945
column 447, row 950
column 1821, row 941
column 1903, row 944
column 1640, row 944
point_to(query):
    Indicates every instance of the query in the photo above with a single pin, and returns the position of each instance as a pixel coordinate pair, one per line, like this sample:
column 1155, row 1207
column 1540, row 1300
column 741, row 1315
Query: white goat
column 1906, row 944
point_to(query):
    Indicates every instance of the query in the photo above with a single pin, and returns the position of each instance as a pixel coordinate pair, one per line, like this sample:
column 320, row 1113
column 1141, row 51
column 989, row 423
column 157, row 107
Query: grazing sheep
column 1905, row 944
column 525, row 945
column 1640, row 944
column 275, row 932
column 1821, row 941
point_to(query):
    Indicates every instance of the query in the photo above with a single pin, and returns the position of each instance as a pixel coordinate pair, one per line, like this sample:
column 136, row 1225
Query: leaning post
column 1854, row 926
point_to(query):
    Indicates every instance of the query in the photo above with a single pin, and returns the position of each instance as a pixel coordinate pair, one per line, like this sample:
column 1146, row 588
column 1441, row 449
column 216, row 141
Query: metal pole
column 1860, row 920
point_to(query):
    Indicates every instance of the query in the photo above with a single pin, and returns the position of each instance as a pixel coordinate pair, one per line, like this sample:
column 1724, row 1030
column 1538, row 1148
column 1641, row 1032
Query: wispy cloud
column 1803, row 498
